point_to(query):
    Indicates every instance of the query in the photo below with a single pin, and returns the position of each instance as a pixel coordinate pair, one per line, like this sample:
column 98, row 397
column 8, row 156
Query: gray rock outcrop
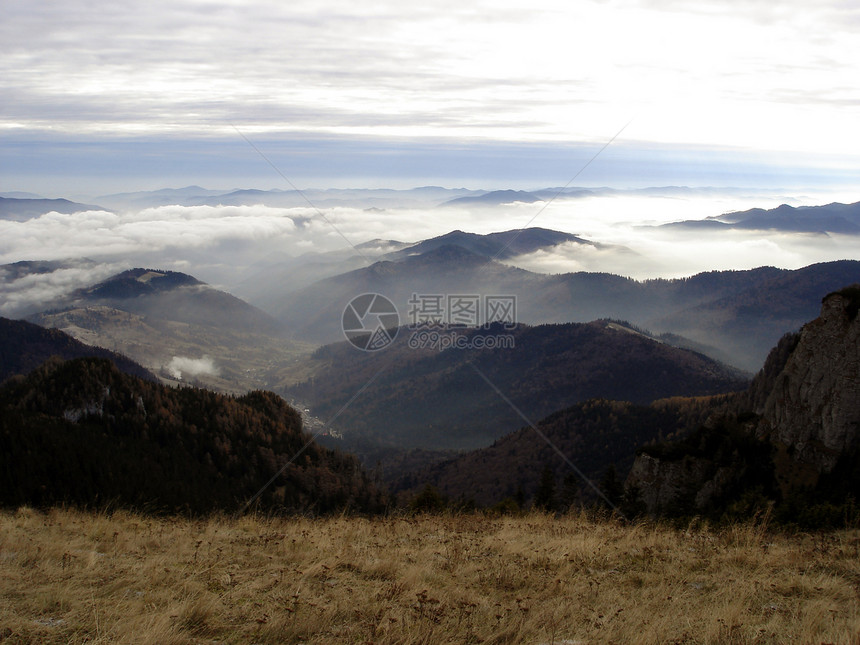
column 813, row 408
column 804, row 404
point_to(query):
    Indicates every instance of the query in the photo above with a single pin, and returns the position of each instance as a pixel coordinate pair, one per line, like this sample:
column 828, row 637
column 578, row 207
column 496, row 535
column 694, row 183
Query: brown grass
column 73, row 577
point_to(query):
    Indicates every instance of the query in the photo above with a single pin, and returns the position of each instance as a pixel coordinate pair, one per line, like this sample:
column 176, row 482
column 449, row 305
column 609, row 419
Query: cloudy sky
column 103, row 97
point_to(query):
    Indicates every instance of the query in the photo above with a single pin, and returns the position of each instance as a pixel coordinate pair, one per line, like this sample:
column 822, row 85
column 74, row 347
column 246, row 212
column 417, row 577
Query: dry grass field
column 73, row 577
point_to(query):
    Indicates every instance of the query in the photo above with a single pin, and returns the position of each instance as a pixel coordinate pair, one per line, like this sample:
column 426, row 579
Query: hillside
column 790, row 440
column 440, row 400
column 81, row 432
column 594, row 436
column 24, row 346
column 178, row 297
column 746, row 324
column 314, row 313
column 179, row 328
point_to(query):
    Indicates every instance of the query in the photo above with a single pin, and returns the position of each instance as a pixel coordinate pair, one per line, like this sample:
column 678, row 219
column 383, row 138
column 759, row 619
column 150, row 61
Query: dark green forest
column 81, row 432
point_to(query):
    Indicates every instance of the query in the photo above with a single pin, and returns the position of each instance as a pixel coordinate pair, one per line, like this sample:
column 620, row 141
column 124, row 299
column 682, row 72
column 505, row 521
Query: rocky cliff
column 797, row 428
column 812, row 409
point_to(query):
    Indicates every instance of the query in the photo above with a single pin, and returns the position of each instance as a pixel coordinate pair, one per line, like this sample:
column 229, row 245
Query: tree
column 545, row 495
column 612, row 487
column 429, row 500
column 569, row 491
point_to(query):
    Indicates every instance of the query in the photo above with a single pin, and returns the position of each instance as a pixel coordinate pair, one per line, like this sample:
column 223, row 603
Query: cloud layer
column 738, row 76
column 229, row 245
column 436, row 69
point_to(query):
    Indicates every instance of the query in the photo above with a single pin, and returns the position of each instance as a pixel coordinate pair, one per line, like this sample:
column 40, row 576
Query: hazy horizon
column 229, row 245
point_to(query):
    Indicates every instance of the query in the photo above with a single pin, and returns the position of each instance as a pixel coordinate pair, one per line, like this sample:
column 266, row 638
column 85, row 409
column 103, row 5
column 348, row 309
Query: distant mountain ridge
column 426, row 196
column 829, row 218
column 16, row 270
column 495, row 198
column 21, row 210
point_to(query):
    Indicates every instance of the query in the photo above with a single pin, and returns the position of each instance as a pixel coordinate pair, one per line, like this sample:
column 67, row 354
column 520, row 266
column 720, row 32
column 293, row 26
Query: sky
column 121, row 96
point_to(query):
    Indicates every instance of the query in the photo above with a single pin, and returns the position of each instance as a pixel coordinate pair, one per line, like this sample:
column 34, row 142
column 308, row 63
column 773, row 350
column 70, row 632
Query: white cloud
column 183, row 367
column 28, row 293
column 99, row 234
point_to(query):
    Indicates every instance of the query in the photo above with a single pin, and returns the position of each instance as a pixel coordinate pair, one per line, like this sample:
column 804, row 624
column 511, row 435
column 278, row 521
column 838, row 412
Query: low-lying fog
column 228, row 245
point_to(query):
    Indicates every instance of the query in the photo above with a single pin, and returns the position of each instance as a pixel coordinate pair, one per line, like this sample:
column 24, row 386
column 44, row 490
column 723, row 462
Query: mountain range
column 595, row 391
column 734, row 316
column 379, row 198
column 422, row 197
column 790, row 441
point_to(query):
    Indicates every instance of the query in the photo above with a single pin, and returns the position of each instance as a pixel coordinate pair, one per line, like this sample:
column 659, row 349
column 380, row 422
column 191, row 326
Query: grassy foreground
column 73, row 577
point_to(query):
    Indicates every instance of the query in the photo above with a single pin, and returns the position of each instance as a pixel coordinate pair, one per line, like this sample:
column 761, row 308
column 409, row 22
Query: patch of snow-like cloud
column 184, row 367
